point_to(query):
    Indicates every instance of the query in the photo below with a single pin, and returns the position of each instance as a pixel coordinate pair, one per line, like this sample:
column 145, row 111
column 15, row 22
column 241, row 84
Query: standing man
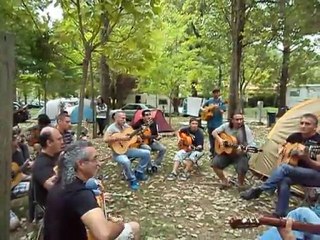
column 72, row 207
column 64, row 126
column 119, row 126
column 151, row 140
column 43, row 175
column 307, row 173
column 217, row 118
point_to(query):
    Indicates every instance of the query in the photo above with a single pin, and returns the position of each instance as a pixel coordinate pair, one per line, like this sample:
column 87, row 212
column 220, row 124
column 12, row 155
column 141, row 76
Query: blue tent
column 87, row 114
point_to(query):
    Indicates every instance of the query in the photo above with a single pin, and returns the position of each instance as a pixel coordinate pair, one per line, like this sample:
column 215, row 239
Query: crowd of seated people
column 63, row 170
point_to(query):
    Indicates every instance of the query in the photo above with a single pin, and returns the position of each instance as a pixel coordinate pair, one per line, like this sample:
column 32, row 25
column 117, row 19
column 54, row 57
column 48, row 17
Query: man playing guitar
column 72, row 207
column 307, row 173
column 119, row 126
column 217, row 118
column 243, row 134
column 151, row 140
column 190, row 153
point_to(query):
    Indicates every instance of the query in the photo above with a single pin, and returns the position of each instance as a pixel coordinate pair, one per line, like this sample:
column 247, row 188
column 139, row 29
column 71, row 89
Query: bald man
column 43, row 174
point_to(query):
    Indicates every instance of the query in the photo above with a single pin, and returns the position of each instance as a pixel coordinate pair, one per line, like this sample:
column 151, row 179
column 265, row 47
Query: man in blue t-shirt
column 217, row 118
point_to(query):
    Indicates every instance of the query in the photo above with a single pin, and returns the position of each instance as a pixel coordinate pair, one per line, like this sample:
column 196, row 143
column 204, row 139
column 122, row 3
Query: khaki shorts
column 181, row 155
column 126, row 233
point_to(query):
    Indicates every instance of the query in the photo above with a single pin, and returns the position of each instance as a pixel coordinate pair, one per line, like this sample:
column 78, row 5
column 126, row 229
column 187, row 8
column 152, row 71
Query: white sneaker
column 14, row 221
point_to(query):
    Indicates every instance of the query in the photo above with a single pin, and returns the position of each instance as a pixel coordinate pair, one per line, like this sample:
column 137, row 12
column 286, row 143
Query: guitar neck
column 299, row 226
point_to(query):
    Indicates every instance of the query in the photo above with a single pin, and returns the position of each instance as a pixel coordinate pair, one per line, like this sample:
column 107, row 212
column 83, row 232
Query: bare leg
column 220, row 174
column 175, row 166
column 189, row 165
column 135, row 229
column 241, row 179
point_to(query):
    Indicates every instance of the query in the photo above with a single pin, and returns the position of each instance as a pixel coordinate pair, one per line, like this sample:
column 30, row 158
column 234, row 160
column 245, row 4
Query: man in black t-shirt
column 188, row 155
column 43, row 174
column 151, row 142
column 71, row 207
column 307, row 173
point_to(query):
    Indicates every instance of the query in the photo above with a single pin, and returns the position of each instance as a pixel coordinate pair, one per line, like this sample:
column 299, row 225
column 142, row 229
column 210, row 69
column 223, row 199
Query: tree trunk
column 175, row 100
column 6, row 114
column 238, row 21
column 85, row 67
column 105, row 78
column 93, row 104
column 220, row 75
column 284, row 78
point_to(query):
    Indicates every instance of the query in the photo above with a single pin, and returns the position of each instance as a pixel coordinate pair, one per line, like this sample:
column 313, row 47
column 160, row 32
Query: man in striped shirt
column 64, row 126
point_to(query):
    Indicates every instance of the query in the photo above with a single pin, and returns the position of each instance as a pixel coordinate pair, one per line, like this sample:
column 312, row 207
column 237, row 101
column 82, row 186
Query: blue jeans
column 301, row 214
column 142, row 154
column 286, row 175
column 156, row 146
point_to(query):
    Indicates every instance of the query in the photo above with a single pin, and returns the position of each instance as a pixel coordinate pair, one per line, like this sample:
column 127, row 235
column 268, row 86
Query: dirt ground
column 193, row 209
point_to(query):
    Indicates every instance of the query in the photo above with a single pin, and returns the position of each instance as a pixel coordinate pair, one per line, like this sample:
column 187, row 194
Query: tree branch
column 83, row 37
column 30, row 14
column 128, row 36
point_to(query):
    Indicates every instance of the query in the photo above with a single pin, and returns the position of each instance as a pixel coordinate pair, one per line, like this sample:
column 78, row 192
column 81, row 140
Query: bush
column 268, row 100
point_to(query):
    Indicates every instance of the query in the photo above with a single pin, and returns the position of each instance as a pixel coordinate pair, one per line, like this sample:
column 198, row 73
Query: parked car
column 131, row 108
column 20, row 113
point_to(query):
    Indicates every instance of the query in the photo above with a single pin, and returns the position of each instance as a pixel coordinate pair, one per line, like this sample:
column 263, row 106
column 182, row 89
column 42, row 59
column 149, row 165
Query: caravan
column 158, row 101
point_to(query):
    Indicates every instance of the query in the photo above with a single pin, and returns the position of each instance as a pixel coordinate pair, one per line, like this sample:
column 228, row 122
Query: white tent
column 53, row 106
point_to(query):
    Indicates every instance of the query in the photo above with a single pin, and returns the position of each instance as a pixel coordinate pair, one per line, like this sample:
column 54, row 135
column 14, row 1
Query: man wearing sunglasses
column 307, row 173
column 151, row 139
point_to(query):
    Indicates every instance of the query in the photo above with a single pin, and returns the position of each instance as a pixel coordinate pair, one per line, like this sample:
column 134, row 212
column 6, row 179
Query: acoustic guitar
column 102, row 204
column 230, row 145
column 185, row 142
column 275, row 222
column 291, row 152
column 16, row 172
column 145, row 135
column 121, row 147
column 208, row 112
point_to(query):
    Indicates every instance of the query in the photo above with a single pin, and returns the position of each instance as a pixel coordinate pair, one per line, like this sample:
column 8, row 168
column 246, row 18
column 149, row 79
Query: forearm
column 313, row 164
column 115, row 229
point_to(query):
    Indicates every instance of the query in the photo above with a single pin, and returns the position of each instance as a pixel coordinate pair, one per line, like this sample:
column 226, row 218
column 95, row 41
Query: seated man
column 243, row 134
column 43, row 174
column 301, row 214
column 72, row 207
column 19, row 165
column 307, row 173
column 150, row 141
column 188, row 154
column 119, row 126
column 19, row 181
column 64, row 126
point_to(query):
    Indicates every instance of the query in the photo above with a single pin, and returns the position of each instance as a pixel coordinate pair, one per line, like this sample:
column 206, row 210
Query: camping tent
column 157, row 115
column 87, row 113
column 264, row 162
column 53, row 106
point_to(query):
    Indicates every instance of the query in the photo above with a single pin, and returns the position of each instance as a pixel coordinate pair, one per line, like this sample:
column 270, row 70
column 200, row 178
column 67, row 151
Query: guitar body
column 208, row 112
column 16, row 174
column 121, row 147
column 229, row 147
column 185, row 142
column 289, row 154
column 146, row 136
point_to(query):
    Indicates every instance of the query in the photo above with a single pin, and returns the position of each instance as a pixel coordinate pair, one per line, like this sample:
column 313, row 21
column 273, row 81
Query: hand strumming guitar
column 286, row 233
